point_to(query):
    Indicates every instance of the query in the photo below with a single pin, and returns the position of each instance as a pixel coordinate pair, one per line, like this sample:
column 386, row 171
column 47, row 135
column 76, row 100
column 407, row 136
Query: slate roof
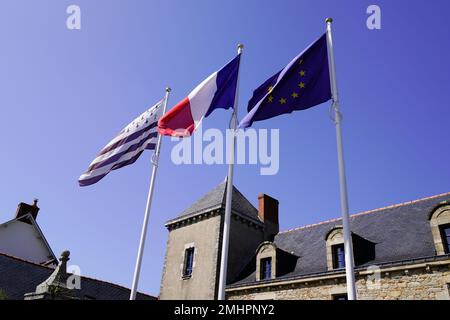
column 398, row 233
column 215, row 199
column 18, row 277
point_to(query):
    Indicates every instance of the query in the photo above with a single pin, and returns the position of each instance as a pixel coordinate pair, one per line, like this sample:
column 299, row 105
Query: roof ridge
column 368, row 212
column 216, row 198
column 243, row 196
column 204, row 196
column 224, row 195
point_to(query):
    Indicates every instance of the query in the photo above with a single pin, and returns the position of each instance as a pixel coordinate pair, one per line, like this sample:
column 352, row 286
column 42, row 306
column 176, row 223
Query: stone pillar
column 55, row 287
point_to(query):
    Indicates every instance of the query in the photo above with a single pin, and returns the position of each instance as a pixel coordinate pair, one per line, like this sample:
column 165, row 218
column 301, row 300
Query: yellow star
column 282, row 100
column 294, row 95
column 301, row 85
column 302, row 73
column 270, row 89
column 270, row 98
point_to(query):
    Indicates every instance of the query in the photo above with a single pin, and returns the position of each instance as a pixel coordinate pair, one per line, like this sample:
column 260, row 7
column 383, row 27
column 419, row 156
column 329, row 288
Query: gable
column 22, row 238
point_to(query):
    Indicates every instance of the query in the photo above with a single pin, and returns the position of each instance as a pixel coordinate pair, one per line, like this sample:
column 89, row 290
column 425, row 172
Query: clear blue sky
column 65, row 94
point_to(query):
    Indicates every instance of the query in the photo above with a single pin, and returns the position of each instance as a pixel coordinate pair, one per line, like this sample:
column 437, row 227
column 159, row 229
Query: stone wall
column 419, row 283
column 204, row 237
column 244, row 240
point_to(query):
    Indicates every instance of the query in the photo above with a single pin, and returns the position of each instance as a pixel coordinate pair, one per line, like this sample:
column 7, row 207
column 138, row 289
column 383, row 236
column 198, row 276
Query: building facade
column 400, row 252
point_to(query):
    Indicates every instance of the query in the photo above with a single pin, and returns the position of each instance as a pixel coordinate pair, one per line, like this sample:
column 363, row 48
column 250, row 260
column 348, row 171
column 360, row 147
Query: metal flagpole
column 226, row 225
column 348, row 247
column 137, row 269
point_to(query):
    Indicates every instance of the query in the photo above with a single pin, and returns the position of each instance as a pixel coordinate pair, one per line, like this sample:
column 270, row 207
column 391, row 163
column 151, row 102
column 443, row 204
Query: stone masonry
column 414, row 282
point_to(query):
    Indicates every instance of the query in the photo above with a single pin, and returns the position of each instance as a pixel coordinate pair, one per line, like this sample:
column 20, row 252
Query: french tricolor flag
column 216, row 91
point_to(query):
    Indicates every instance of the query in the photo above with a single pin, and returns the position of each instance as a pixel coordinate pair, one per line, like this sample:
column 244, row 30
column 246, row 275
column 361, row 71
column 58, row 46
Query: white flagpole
column 137, row 269
column 227, row 218
column 348, row 247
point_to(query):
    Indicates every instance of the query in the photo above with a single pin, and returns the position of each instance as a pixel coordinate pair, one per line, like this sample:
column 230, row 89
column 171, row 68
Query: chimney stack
column 268, row 213
column 24, row 208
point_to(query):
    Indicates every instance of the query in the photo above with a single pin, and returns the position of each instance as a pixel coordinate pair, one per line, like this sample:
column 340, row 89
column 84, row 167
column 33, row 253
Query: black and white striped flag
column 126, row 147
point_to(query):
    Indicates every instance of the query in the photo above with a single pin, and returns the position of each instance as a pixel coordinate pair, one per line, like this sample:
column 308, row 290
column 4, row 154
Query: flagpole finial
column 168, row 89
column 240, row 47
column 328, row 20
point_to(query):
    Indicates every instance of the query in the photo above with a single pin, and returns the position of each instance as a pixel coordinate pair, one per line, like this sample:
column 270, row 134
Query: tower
column 191, row 266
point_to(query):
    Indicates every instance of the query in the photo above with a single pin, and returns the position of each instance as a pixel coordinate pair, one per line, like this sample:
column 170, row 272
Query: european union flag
column 302, row 84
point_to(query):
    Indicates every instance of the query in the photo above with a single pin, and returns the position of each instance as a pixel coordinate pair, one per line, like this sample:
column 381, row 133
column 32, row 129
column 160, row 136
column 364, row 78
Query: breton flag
column 302, row 84
column 216, row 91
column 126, row 147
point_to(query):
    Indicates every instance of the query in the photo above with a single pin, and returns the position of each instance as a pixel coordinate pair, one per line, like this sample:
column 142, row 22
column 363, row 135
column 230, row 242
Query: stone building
column 400, row 252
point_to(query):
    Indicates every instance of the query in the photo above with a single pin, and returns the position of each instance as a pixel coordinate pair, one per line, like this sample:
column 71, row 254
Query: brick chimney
column 25, row 208
column 268, row 213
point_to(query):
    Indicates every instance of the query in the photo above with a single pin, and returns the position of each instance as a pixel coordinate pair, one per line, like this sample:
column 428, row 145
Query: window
column 266, row 268
column 266, row 261
column 188, row 262
column 445, row 233
column 338, row 256
column 334, row 238
column 440, row 228
column 340, row 297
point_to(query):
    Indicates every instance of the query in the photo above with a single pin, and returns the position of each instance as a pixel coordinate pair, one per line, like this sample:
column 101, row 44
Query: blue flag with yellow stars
column 302, row 84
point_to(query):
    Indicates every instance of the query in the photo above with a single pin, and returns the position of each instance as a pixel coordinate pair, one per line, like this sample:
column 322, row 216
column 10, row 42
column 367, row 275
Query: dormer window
column 266, row 261
column 440, row 228
column 338, row 256
column 445, row 234
column 335, row 248
column 273, row 262
column 266, row 269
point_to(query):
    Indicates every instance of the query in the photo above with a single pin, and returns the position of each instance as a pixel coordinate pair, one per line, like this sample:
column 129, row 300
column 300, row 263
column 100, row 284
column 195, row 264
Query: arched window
column 335, row 248
column 440, row 228
column 266, row 255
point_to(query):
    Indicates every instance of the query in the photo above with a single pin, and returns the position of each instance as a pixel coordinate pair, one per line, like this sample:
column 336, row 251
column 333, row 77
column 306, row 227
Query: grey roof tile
column 215, row 199
column 399, row 232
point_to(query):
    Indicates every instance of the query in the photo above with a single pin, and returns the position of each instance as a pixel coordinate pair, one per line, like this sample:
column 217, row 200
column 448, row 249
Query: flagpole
column 137, row 269
column 348, row 247
column 229, row 190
